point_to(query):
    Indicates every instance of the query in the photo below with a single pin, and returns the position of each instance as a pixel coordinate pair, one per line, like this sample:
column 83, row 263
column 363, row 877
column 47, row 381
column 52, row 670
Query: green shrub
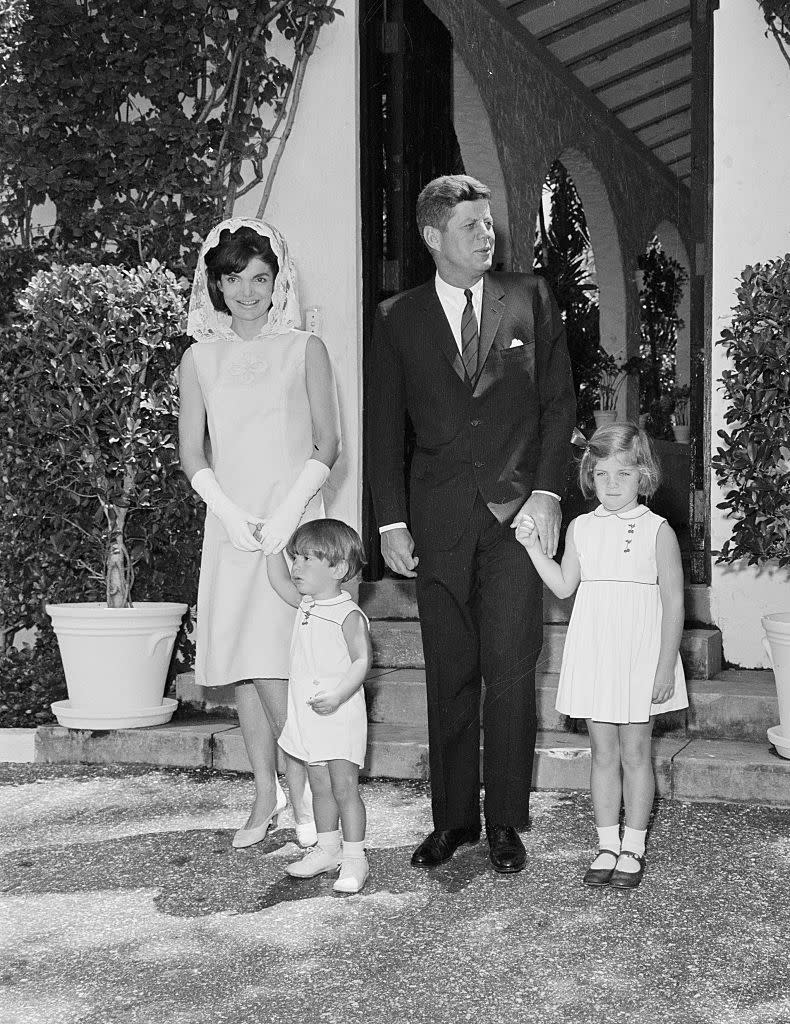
column 31, row 678
column 92, row 496
column 754, row 458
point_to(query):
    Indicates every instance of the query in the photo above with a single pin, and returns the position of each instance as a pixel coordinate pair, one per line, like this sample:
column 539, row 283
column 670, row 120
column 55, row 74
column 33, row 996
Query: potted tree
column 680, row 412
column 753, row 459
column 611, row 377
column 95, row 354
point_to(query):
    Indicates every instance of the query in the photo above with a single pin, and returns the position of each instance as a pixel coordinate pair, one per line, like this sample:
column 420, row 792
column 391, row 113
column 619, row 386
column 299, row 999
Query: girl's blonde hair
column 621, row 439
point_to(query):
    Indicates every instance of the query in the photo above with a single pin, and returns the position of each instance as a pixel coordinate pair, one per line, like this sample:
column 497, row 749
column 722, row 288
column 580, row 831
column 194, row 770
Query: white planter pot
column 603, row 417
column 776, row 643
column 115, row 661
column 682, row 433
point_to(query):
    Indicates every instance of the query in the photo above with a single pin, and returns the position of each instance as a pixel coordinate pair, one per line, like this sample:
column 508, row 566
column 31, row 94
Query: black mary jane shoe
column 507, row 852
column 441, row 844
column 628, row 879
column 600, row 876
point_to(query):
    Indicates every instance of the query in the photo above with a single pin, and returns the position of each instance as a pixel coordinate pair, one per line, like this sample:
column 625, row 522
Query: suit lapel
column 491, row 314
column 439, row 329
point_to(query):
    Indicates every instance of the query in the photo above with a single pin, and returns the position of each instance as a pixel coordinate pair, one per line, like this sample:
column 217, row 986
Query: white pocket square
column 516, row 343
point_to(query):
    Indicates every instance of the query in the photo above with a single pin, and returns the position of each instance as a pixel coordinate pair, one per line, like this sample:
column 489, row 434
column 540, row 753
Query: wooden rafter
column 664, row 116
column 651, row 65
column 627, row 40
column 572, row 26
column 645, row 97
column 521, row 7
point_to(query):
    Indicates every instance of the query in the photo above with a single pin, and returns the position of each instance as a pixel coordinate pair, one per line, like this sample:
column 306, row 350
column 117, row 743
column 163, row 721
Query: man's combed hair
column 622, row 439
column 231, row 255
column 436, row 202
column 332, row 540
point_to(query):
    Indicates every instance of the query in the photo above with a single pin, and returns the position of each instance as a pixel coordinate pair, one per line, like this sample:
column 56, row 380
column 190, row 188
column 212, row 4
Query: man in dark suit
column 479, row 361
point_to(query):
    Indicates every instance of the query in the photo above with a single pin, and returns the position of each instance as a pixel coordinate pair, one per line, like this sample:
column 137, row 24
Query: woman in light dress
column 259, row 430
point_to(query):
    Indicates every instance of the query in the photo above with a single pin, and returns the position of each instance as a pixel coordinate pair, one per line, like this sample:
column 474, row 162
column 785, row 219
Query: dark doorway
column 407, row 138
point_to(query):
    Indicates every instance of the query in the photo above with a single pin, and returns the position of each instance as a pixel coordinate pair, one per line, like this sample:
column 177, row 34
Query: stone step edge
column 686, row 768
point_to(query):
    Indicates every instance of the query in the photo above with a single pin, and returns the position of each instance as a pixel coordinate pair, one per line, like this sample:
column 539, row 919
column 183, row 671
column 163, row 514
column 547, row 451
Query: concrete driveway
column 121, row 900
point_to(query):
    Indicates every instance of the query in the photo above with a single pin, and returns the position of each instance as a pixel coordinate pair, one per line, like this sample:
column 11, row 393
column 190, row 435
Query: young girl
column 327, row 719
column 620, row 666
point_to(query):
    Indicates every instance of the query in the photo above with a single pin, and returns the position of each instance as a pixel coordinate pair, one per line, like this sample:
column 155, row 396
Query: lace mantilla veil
column 204, row 323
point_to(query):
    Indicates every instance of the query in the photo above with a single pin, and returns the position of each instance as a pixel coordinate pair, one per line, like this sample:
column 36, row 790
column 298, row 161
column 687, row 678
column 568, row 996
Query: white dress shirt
column 453, row 303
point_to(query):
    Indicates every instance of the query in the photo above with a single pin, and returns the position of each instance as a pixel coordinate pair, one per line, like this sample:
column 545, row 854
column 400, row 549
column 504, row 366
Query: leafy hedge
column 753, row 461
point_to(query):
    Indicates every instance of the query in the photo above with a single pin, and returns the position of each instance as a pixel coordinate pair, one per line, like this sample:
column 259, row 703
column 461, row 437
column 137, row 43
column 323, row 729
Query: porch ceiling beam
column 655, row 94
column 572, row 26
column 625, row 41
column 678, row 159
column 623, row 76
column 676, row 137
column 521, row 7
column 575, row 86
column 665, row 116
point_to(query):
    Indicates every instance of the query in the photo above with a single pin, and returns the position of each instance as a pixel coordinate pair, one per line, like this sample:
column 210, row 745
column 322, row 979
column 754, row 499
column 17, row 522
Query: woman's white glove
column 235, row 520
column 280, row 525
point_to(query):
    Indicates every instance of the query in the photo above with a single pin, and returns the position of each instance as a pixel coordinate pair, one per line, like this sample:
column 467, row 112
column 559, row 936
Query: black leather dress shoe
column 441, row 844
column 507, row 851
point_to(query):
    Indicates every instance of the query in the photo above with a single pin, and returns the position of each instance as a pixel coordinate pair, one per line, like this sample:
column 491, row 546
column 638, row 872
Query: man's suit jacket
column 502, row 436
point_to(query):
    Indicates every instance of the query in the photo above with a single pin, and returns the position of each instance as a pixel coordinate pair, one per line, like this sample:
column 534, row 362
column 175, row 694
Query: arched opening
column 663, row 281
column 577, row 250
column 479, row 154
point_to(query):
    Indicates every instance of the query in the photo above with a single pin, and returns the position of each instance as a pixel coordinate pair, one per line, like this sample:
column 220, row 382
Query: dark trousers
column 481, row 613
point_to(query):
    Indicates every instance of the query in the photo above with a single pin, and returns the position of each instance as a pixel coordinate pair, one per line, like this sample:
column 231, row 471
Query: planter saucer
column 136, row 718
column 782, row 743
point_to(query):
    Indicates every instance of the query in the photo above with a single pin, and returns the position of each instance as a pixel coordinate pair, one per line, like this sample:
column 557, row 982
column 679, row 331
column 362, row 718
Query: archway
column 479, row 154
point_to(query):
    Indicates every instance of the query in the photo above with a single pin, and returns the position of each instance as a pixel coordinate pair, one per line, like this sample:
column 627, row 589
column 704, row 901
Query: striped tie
column 469, row 337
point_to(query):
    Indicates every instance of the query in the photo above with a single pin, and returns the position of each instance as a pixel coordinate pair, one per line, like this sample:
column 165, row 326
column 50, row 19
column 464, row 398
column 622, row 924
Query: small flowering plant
column 611, row 377
column 680, row 405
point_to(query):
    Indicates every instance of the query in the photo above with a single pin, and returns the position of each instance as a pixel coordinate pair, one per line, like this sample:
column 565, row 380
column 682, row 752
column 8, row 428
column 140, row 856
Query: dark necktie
column 470, row 341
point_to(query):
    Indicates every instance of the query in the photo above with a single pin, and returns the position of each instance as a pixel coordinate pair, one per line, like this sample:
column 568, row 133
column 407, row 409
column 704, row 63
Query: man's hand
column 397, row 548
column 545, row 511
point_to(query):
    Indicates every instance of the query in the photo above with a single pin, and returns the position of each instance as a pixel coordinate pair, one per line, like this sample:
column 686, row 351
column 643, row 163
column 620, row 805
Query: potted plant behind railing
column 753, row 460
column 611, row 377
column 95, row 360
column 680, row 412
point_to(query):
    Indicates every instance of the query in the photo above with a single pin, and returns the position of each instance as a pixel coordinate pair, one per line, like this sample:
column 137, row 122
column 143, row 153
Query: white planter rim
column 142, row 610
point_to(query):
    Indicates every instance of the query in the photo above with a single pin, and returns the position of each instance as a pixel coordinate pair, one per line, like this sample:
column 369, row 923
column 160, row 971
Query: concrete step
column 397, row 599
column 686, row 769
column 734, row 705
column 397, row 643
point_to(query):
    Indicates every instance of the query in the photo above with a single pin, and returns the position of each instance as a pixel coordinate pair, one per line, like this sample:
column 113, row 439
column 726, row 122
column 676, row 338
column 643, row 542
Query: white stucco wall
column 751, row 223
column 315, row 203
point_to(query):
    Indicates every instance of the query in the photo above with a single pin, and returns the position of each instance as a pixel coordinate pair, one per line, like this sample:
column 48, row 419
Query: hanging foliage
column 144, row 121
column 777, row 18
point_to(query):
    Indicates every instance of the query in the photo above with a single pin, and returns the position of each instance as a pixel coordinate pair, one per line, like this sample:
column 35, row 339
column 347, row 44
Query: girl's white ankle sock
column 329, row 841
column 352, row 850
column 608, row 839
column 633, row 840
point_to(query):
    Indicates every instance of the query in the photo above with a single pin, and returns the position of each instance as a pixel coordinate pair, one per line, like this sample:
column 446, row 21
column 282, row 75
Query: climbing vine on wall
column 777, row 18
column 143, row 122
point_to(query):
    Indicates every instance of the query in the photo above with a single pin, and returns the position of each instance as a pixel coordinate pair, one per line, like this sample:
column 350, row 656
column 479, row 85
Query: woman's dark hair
column 231, row 255
column 332, row 540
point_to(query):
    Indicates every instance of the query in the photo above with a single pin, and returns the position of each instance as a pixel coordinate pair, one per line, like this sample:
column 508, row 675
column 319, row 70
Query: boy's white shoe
column 354, row 873
column 315, row 862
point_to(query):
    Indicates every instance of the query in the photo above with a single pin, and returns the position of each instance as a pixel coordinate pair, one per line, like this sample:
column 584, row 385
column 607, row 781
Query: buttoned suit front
column 481, row 448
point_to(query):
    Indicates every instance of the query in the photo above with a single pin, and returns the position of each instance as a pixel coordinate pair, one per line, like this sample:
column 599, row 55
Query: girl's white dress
column 320, row 659
column 614, row 635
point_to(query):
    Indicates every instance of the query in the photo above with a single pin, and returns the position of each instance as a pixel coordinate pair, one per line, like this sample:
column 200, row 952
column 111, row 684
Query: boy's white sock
column 352, row 850
column 329, row 841
column 608, row 839
column 633, row 840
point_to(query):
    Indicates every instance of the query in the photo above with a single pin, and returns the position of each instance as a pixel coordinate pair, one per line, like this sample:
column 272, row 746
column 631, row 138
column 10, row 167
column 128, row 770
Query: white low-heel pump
column 250, row 836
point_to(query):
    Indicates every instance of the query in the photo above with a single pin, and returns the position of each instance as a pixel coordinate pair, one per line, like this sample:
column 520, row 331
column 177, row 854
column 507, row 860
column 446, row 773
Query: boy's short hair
column 436, row 202
column 332, row 540
column 621, row 439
